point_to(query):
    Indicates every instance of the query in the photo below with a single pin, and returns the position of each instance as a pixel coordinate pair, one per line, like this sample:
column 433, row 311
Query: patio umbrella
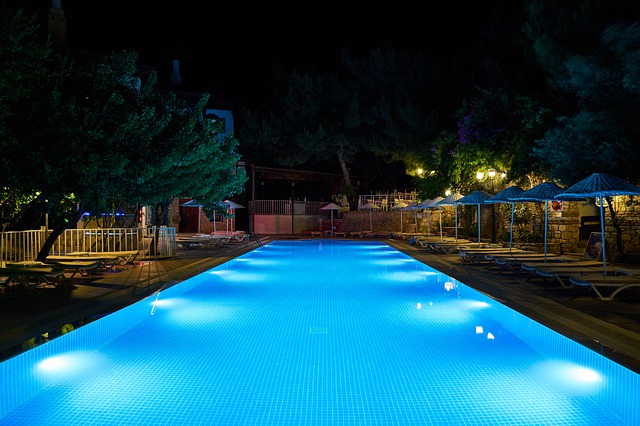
column 194, row 203
column 430, row 204
column 331, row 207
column 599, row 185
column 220, row 204
column 400, row 206
column 233, row 206
column 478, row 198
column 545, row 191
column 451, row 200
column 413, row 207
column 505, row 196
column 370, row 207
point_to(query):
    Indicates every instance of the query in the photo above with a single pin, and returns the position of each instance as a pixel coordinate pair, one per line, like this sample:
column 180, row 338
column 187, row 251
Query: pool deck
column 611, row 328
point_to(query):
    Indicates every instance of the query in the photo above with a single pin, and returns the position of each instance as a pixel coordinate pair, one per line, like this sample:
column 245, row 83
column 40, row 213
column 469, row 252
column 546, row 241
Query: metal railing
column 388, row 201
column 152, row 242
column 20, row 246
column 283, row 207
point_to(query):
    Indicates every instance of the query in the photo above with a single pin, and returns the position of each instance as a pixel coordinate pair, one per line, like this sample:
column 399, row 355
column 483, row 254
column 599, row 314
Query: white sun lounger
column 595, row 282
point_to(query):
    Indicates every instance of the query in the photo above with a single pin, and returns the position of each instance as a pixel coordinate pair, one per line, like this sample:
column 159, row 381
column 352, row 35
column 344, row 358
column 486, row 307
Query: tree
column 92, row 138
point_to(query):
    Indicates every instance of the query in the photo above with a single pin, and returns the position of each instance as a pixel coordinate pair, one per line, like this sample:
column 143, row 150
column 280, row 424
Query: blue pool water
column 317, row 332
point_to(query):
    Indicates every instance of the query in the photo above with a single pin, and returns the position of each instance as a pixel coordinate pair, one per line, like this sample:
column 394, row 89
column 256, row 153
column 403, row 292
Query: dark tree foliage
column 88, row 139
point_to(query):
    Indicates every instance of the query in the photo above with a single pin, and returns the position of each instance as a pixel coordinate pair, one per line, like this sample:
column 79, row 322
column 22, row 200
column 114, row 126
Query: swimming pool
column 317, row 332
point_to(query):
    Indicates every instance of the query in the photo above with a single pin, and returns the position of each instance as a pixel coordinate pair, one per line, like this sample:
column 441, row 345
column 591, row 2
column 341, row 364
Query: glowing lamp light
column 480, row 175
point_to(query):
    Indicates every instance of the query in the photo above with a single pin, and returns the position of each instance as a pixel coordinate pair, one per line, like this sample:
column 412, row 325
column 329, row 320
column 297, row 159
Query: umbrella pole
column 604, row 244
column 199, row 208
column 478, row 224
column 332, row 222
column 440, row 217
column 401, row 221
column 513, row 211
column 546, row 214
column 456, row 222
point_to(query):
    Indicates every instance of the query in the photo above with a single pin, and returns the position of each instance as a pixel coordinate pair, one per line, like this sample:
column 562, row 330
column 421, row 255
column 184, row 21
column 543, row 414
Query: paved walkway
column 611, row 328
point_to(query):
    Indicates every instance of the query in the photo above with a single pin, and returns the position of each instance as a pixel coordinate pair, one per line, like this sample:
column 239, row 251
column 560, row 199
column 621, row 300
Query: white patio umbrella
column 413, row 207
column 428, row 204
column 331, row 207
column 433, row 204
column 478, row 198
column 546, row 191
column 599, row 185
column 194, row 203
column 400, row 206
column 221, row 204
column 505, row 196
column 232, row 206
column 452, row 200
column 370, row 207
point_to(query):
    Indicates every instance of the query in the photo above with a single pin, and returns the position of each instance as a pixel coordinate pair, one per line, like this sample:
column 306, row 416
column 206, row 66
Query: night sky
column 229, row 49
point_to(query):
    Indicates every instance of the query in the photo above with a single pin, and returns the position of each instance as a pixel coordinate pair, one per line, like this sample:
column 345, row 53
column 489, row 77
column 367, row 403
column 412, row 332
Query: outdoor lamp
column 420, row 171
column 480, row 175
column 492, row 173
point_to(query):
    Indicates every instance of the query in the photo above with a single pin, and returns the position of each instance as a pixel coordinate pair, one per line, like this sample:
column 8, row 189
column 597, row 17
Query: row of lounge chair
column 57, row 271
column 570, row 271
column 211, row 241
column 567, row 271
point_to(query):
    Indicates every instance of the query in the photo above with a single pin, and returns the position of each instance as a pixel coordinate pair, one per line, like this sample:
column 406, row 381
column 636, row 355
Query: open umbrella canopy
column 191, row 203
column 544, row 191
column 233, row 205
column 194, row 203
column 423, row 204
column 430, row 204
column 478, row 198
column 401, row 205
column 450, row 200
column 599, row 185
column 332, row 207
column 505, row 196
column 370, row 207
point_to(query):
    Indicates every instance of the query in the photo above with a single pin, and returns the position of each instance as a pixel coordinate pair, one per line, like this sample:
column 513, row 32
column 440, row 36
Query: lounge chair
column 617, row 283
column 479, row 255
column 513, row 262
column 29, row 276
column 556, row 271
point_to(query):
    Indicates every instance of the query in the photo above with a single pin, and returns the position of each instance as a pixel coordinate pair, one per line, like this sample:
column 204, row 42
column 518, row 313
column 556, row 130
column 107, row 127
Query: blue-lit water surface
column 318, row 332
